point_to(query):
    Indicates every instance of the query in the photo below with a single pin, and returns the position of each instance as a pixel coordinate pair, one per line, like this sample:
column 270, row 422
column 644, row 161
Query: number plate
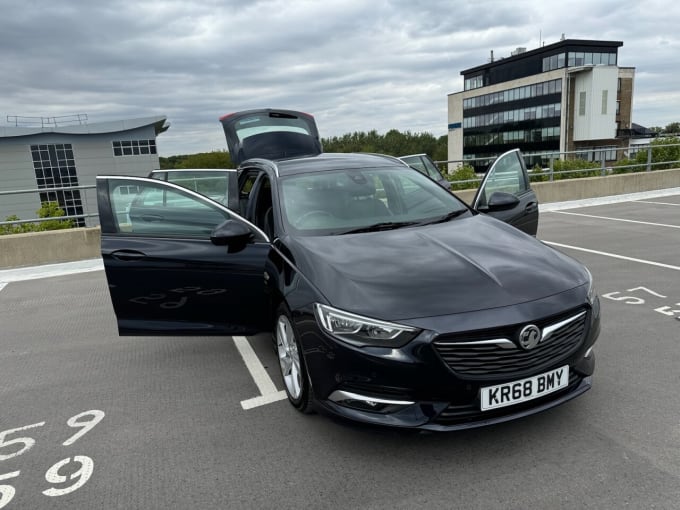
column 511, row 393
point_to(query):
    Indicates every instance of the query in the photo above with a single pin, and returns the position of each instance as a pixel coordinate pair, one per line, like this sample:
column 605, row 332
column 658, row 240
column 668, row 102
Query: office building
column 566, row 96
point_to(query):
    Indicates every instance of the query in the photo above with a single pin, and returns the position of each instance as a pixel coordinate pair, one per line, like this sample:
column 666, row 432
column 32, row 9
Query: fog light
column 365, row 403
column 588, row 352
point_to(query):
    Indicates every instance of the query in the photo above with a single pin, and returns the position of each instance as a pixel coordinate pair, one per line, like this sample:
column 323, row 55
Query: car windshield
column 362, row 200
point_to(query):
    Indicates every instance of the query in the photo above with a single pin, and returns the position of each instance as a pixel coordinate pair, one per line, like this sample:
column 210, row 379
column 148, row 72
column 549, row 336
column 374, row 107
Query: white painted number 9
column 82, row 475
column 86, row 424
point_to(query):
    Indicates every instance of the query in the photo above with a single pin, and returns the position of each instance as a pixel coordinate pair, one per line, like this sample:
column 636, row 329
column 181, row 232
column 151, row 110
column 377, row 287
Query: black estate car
column 389, row 299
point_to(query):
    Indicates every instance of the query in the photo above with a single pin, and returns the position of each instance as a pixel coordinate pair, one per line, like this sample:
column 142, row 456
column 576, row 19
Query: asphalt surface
column 162, row 422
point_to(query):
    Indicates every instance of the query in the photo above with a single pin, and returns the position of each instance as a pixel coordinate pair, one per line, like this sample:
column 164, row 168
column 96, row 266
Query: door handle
column 151, row 217
column 531, row 207
column 128, row 255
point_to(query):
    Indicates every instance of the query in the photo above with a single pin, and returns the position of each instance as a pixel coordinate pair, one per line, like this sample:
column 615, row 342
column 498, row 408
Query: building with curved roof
column 59, row 152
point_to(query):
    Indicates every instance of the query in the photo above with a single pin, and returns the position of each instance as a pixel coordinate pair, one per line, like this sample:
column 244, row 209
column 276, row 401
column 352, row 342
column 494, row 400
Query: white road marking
column 659, row 203
column 3, row 285
column 264, row 383
column 613, row 199
column 618, row 219
column 615, row 256
column 263, row 400
column 49, row 270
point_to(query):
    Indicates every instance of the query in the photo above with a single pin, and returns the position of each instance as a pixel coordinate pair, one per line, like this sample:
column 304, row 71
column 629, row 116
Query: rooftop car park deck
column 89, row 419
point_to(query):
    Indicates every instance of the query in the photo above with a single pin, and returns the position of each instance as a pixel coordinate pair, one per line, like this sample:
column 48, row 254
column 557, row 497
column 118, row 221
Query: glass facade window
column 605, row 93
column 530, row 112
column 581, row 103
column 133, row 147
column 55, row 167
column 597, row 153
column 514, row 136
column 580, row 58
column 514, row 94
column 474, row 83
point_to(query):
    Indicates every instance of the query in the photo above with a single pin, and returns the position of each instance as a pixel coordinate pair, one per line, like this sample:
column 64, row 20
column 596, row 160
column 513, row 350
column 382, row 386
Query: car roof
column 330, row 161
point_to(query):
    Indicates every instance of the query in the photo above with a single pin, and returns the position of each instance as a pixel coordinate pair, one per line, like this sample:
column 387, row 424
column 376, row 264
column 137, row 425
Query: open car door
column 179, row 263
column 505, row 193
column 270, row 134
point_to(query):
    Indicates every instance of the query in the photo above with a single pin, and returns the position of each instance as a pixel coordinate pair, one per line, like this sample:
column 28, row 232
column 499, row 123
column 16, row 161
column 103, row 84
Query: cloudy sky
column 356, row 65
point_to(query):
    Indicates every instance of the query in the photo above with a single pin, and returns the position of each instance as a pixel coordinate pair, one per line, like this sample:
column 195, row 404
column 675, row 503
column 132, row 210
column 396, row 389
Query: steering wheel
column 309, row 214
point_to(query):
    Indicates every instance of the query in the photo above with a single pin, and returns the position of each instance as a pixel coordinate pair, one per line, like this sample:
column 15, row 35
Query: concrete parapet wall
column 593, row 187
column 50, row 247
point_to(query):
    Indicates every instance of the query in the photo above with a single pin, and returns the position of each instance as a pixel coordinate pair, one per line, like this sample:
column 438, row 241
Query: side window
column 153, row 208
column 507, row 175
column 212, row 184
column 246, row 183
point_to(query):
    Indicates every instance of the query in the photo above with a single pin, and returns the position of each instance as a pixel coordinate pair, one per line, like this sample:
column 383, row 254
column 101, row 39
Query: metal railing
column 87, row 207
column 607, row 165
column 43, row 122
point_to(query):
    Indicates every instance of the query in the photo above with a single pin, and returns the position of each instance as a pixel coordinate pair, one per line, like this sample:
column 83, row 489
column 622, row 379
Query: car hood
column 467, row 264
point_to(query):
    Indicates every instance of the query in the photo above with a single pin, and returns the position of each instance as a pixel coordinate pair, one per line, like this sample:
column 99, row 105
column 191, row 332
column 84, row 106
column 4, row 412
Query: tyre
column 292, row 363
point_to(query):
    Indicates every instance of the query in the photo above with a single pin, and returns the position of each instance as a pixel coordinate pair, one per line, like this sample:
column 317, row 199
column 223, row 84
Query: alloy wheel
column 289, row 357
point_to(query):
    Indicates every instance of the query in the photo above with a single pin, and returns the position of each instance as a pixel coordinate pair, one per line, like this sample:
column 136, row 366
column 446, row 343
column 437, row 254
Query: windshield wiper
column 446, row 217
column 384, row 225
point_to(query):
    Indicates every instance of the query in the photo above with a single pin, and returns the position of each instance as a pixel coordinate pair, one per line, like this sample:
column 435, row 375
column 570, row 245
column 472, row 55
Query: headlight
column 591, row 288
column 362, row 331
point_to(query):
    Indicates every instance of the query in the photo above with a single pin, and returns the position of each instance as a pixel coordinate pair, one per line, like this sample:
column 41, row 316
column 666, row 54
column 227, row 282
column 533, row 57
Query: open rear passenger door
column 179, row 263
column 505, row 193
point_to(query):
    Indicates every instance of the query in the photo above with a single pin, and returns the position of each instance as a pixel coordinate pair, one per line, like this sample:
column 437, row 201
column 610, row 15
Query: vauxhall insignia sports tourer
column 390, row 301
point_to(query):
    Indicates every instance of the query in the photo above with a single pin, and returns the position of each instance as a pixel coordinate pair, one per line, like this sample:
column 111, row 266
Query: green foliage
column 393, row 143
column 626, row 166
column 672, row 128
column 536, row 174
column 52, row 210
column 660, row 154
column 576, row 168
column 463, row 173
column 47, row 210
column 214, row 159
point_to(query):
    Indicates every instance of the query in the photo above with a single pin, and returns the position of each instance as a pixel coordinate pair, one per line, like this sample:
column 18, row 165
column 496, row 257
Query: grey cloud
column 355, row 65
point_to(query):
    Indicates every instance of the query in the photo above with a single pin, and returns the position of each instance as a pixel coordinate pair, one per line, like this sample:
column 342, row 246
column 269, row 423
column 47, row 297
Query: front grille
column 456, row 414
column 469, row 358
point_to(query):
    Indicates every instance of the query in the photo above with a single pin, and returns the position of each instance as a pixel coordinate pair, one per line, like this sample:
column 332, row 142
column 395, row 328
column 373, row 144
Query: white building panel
column 595, row 102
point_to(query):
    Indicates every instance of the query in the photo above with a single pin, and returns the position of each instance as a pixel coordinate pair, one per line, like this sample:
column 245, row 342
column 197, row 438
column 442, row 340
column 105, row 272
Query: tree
column 672, row 128
column 214, row 159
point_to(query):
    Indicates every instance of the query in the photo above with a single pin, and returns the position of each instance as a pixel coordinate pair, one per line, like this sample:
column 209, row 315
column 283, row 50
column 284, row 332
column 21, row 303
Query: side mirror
column 233, row 234
column 502, row 201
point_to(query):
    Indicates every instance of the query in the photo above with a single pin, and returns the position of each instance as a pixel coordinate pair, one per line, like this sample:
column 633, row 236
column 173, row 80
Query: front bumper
column 417, row 387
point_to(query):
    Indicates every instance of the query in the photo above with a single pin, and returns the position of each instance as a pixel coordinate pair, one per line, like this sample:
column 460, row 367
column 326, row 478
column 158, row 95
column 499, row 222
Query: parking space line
column 617, row 219
column 3, row 285
column 264, row 383
column 659, row 203
column 614, row 256
column 263, row 400
column 257, row 371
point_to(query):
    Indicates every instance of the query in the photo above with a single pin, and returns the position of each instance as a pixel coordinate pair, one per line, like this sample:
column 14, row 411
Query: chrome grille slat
column 477, row 359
